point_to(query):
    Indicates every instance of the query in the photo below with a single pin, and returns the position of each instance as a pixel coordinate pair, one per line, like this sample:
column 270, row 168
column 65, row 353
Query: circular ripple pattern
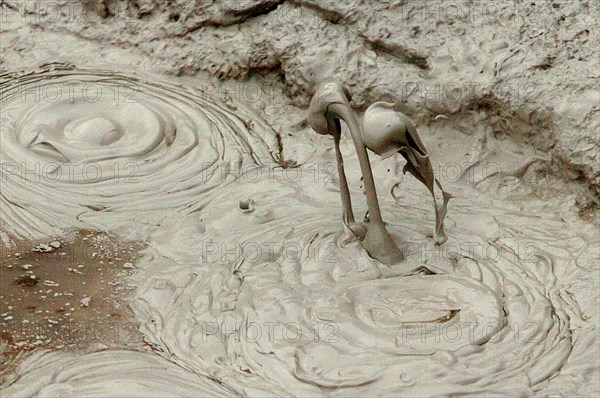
column 109, row 373
column 94, row 149
column 286, row 302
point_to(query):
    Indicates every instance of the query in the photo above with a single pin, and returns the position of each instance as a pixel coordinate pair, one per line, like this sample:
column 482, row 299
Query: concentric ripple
column 115, row 373
column 99, row 149
column 316, row 316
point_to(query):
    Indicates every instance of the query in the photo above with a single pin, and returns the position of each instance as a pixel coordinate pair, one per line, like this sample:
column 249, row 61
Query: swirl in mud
column 109, row 373
column 288, row 302
column 99, row 149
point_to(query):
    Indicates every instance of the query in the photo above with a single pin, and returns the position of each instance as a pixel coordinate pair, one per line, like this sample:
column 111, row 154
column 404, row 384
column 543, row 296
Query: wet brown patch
column 588, row 211
column 67, row 293
column 451, row 314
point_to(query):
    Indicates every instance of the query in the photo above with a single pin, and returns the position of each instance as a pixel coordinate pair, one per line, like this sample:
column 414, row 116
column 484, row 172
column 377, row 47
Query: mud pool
column 247, row 282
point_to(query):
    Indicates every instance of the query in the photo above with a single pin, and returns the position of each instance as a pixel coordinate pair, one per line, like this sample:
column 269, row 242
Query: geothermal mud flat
column 246, row 281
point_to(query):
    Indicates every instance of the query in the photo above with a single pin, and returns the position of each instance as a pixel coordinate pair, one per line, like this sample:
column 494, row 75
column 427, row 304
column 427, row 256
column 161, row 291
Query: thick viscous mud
column 250, row 283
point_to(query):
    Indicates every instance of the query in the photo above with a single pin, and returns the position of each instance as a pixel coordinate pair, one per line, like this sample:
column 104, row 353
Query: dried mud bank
column 250, row 284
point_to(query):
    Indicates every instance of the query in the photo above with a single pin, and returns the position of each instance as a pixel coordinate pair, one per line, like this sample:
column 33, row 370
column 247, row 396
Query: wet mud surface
column 67, row 294
column 245, row 280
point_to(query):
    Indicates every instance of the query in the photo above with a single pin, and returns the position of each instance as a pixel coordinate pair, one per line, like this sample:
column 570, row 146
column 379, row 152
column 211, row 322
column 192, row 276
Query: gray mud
column 249, row 284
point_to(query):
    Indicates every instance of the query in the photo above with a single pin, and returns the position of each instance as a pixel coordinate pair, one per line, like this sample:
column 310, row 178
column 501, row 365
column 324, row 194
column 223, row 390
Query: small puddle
column 67, row 293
